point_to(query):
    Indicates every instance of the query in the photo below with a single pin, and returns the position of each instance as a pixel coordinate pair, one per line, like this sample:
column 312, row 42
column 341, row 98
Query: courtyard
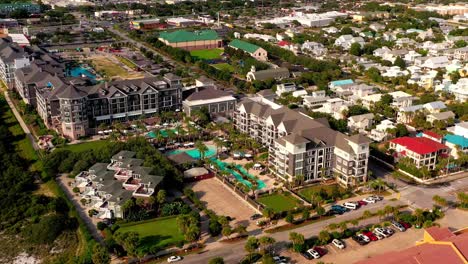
column 111, row 67
column 223, row 201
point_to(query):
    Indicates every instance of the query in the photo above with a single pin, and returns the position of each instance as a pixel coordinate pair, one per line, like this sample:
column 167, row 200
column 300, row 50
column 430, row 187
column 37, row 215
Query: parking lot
column 223, row 202
column 355, row 252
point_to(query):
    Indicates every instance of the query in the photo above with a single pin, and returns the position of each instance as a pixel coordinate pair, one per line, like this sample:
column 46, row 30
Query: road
column 234, row 252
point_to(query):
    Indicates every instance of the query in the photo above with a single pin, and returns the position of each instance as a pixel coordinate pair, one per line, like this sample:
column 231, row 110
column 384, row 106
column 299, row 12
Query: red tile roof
column 432, row 134
column 283, row 43
column 426, row 253
column 420, row 145
column 438, row 233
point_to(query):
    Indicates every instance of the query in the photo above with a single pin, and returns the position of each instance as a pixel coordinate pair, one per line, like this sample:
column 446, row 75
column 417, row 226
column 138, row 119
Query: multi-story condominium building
column 75, row 106
column 300, row 146
column 12, row 57
column 421, row 150
column 106, row 187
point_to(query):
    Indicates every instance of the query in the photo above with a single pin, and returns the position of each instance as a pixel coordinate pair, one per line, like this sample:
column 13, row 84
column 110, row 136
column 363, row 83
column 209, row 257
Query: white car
column 379, row 236
column 369, row 200
column 174, row 259
column 377, row 198
column 313, row 253
column 364, row 238
column 381, row 231
column 349, row 205
column 338, row 243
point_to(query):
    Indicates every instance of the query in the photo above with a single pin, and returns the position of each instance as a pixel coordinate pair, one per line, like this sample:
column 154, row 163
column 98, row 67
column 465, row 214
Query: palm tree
column 381, row 213
column 419, row 214
column 332, row 226
column 354, row 222
column 218, row 143
column 268, row 213
column 202, row 148
column 343, row 226
column 366, row 214
column 266, row 242
column 296, row 238
column 388, row 210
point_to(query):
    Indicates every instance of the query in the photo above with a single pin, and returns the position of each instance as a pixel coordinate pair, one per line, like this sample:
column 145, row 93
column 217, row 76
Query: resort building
column 196, row 40
column 300, row 146
column 12, row 57
column 254, row 50
column 74, row 106
column 216, row 101
column 106, row 187
column 421, row 150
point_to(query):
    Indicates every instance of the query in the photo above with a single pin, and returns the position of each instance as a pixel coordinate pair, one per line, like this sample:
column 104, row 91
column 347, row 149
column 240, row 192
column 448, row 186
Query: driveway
column 223, row 201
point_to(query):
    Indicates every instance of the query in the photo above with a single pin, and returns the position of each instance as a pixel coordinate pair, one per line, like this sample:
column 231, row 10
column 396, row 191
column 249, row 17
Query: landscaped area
column 224, row 66
column 91, row 145
column 207, row 54
column 155, row 234
column 111, row 69
column 279, row 202
column 326, row 192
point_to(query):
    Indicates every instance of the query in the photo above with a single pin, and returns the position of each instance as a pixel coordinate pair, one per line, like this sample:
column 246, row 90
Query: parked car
column 351, row 206
column 361, row 203
column 398, row 226
column 255, row 217
column 359, row 240
column 406, row 225
column 174, row 259
column 379, row 236
column 369, row 200
column 363, row 237
column 313, row 253
column 338, row 243
column 280, row 259
column 377, row 198
column 307, row 255
column 320, row 250
column 389, row 231
column 382, row 231
column 338, row 209
column 370, row 235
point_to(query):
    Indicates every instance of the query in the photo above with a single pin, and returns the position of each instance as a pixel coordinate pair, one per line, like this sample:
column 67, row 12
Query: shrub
column 215, row 227
column 101, row 226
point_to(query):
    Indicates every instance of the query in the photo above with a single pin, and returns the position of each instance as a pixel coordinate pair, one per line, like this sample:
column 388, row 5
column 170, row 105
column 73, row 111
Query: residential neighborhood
column 234, row 131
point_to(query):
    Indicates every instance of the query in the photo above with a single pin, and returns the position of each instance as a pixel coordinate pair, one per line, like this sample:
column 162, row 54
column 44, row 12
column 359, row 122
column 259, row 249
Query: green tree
column 100, row 255
column 462, row 199
column 226, row 231
column 297, row 240
column 355, row 49
column 268, row 213
column 320, row 211
column 251, row 245
column 323, row 237
column 305, row 214
column 399, row 62
column 202, row 148
column 266, row 242
column 289, row 217
column 216, row 260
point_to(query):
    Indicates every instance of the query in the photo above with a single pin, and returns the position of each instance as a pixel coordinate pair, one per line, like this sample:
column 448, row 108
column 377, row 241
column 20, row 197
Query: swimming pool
column 194, row 153
column 163, row 132
column 80, row 71
column 222, row 166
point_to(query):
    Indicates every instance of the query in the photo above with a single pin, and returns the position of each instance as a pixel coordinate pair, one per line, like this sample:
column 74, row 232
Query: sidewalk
column 21, row 121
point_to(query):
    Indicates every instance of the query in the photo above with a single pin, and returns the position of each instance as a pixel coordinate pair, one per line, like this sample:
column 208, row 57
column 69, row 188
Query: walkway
column 21, row 122
column 81, row 212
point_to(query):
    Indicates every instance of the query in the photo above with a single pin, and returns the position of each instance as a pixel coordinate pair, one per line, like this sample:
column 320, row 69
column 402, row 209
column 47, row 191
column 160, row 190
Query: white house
column 436, row 62
column 394, row 71
column 345, row 41
column 314, row 48
column 360, row 122
column 285, row 88
column 379, row 133
column 334, row 107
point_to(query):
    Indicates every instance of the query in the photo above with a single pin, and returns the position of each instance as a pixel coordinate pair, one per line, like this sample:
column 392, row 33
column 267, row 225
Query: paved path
column 81, row 212
column 21, row 122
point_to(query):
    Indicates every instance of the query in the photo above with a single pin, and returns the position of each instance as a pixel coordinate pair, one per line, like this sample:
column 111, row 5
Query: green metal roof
column 245, row 46
column 184, row 36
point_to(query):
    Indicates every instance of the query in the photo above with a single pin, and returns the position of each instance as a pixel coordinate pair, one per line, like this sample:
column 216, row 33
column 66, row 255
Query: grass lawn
column 87, row 145
column 308, row 191
column 207, row 54
column 156, row 233
column 279, row 202
column 224, row 66
column 127, row 62
column 111, row 69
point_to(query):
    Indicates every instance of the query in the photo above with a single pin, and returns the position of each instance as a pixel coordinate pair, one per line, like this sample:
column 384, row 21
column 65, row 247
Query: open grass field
column 112, row 69
column 279, row 202
column 207, row 54
column 224, row 66
column 156, row 233
column 87, row 145
column 307, row 192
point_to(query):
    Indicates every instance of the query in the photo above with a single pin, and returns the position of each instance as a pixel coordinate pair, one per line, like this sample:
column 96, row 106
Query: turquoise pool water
column 194, row 153
column 79, row 71
column 163, row 132
column 222, row 165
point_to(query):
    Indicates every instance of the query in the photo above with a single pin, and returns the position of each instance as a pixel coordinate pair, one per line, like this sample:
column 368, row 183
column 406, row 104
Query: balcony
column 143, row 191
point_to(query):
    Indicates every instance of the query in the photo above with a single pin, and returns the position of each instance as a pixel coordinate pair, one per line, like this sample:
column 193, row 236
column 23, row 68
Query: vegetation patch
column 325, row 192
column 207, row 54
column 155, row 234
column 279, row 202
column 224, row 66
column 91, row 145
